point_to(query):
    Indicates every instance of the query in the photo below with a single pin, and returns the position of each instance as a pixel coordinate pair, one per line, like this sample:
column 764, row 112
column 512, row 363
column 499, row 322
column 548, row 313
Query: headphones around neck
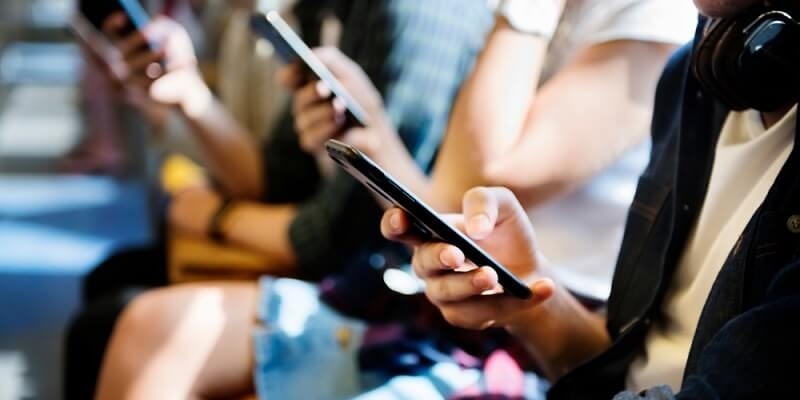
column 752, row 60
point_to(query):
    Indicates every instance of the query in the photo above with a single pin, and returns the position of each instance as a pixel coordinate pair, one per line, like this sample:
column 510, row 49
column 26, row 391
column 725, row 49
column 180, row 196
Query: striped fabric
column 417, row 52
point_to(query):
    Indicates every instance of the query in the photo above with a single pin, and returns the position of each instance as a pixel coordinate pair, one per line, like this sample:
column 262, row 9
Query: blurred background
column 54, row 227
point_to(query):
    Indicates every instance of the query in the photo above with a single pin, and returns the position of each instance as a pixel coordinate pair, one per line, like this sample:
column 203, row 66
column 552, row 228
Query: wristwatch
column 534, row 17
column 215, row 225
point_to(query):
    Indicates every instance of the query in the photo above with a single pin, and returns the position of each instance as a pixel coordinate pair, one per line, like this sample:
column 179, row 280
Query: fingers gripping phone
column 84, row 30
column 291, row 49
column 97, row 11
column 426, row 221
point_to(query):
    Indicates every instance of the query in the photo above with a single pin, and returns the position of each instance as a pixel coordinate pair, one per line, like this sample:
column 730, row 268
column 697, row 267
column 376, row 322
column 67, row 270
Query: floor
column 53, row 230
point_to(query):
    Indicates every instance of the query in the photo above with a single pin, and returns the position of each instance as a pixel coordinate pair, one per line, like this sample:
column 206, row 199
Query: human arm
column 232, row 155
column 553, row 326
column 100, row 149
column 503, row 131
column 317, row 118
column 255, row 226
column 578, row 122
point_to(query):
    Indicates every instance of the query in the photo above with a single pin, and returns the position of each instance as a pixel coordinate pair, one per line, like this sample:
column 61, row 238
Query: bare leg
column 183, row 342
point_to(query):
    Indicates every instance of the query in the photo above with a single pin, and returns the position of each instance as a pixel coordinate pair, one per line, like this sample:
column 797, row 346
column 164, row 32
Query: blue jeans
column 306, row 350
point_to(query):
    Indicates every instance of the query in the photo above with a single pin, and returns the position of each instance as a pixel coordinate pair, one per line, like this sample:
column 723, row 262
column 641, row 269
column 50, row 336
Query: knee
column 149, row 318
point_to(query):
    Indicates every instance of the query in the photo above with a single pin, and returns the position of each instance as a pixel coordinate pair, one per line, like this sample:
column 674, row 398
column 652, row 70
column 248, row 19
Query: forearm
column 264, row 229
column 579, row 124
column 395, row 159
column 98, row 100
column 231, row 152
column 489, row 111
column 561, row 333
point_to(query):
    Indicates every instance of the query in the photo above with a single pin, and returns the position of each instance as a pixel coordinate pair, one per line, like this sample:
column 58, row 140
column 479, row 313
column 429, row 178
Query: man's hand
column 191, row 210
column 318, row 116
column 466, row 294
column 166, row 76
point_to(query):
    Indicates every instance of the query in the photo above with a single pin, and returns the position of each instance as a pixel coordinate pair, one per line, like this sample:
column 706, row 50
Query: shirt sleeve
column 664, row 21
column 291, row 175
column 417, row 54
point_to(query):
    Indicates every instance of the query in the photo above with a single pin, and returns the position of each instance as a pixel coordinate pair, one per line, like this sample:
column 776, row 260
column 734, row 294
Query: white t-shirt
column 581, row 233
column 588, row 22
column 748, row 159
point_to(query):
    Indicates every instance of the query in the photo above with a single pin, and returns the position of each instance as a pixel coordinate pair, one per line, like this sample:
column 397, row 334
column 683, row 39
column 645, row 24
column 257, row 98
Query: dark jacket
column 747, row 343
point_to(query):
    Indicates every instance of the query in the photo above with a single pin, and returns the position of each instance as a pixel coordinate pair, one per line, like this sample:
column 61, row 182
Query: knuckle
column 459, row 319
column 504, row 192
column 443, row 289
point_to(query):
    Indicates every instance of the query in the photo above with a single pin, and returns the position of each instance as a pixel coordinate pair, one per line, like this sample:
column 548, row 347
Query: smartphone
column 291, row 49
column 96, row 12
column 423, row 219
column 93, row 39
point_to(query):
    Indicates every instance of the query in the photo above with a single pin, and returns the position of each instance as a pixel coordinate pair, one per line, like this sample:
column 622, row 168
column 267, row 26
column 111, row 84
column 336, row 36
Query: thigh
column 187, row 340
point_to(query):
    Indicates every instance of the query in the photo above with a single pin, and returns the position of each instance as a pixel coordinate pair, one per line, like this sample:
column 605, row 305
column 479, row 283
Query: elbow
column 533, row 183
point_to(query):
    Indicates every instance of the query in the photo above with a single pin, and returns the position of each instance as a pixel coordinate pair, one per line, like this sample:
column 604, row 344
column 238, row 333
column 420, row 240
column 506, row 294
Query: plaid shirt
column 417, row 53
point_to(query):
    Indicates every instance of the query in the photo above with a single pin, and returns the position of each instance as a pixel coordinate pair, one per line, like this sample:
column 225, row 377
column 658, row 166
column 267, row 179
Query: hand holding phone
column 424, row 220
column 98, row 11
column 291, row 49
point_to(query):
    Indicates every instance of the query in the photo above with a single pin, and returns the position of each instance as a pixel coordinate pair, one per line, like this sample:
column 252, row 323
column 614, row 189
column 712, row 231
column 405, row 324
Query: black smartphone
column 96, row 12
column 85, row 31
column 426, row 221
column 291, row 49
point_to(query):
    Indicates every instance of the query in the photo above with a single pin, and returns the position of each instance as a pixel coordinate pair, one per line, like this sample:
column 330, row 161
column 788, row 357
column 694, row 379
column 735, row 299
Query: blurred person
column 291, row 352
column 534, row 103
column 706, row 290
column 282, row 204
column 104, row 147
column 236, row 64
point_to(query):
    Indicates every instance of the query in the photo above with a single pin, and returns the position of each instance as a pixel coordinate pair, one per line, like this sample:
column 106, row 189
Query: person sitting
column 236, row 304
column 706, row 288
column 278, row 201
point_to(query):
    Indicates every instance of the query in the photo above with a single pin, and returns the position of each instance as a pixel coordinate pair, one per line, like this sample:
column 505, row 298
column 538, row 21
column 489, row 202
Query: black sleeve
column 755, row 355
column 291, row 174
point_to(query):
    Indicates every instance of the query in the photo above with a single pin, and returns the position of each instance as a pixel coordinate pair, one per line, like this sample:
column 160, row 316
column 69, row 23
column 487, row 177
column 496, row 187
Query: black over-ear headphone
column 752, row 60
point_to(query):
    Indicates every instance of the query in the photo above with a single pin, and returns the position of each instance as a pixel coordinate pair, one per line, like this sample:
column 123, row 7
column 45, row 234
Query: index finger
column 113, row 24
column 291, row 76
column 484, row 208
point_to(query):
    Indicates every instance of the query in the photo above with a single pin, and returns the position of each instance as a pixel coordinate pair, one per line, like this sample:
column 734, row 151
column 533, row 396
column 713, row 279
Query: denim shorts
column 306, row 350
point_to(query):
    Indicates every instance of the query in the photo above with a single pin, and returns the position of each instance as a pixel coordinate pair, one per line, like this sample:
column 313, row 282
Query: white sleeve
column 665, row 21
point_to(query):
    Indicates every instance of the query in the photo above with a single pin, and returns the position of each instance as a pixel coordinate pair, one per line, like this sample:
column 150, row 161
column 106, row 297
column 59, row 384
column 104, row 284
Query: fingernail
column 479, row 225
column 445, row 260
column 485, row 279
column 323, row 90
column 394, row 221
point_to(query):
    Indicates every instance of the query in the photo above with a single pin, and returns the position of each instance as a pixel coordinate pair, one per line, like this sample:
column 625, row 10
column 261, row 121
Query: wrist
column 196, row 99
column 380, row 140
column 216, row 231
